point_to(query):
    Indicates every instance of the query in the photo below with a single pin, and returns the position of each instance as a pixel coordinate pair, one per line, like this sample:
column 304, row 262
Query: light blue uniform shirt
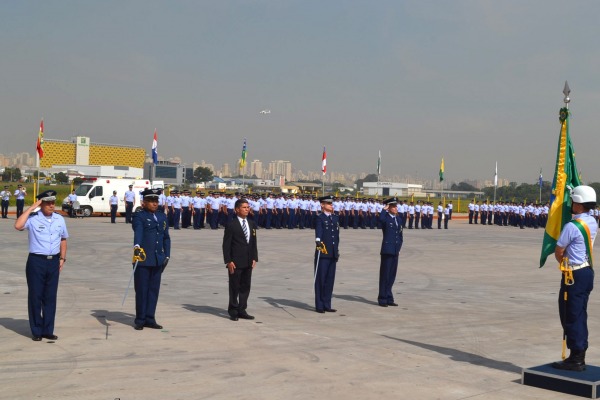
column 571, row 239
column 45, row 233
column 130, row 196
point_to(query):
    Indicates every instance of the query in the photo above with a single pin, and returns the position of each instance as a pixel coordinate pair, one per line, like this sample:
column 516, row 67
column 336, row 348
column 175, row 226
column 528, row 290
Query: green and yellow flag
column 565, row 179
column 442, row 170
column 243, row 159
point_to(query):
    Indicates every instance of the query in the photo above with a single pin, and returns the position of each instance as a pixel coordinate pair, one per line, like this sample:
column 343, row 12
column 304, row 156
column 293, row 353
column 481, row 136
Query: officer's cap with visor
column 326, row 199
column 151, row 193
column 48, row 195
column 392, row 201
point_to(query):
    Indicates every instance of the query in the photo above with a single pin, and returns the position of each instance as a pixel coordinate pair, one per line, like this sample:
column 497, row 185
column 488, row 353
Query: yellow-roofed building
column 81, row 151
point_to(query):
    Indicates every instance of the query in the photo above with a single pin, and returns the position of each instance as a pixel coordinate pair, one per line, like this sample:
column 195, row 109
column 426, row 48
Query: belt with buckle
column 50, row 257
column 576, row 267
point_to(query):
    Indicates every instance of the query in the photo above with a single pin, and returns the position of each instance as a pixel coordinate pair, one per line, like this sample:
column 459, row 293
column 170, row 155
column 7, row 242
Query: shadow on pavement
column 20, row 326
column 462, row 356
column 219, row 312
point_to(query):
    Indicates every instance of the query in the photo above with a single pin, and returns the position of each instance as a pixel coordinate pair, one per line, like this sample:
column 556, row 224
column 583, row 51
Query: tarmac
column 474, row 310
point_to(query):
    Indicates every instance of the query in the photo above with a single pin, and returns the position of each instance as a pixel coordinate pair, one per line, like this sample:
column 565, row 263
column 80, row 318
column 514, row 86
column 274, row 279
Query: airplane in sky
column 265, row 112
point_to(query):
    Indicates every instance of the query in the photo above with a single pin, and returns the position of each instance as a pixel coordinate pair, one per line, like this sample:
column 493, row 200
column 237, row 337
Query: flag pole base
column 583, row 384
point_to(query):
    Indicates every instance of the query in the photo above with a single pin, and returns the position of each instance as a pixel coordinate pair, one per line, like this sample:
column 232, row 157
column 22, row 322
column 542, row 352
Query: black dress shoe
column 393, row 304
column 153, row 326
column 245, row 316
column 138, row 327
column 320, row 311
column 36, row 338
column 233, row 318
column 330, row 310
column 50, row 337
column 383, row 305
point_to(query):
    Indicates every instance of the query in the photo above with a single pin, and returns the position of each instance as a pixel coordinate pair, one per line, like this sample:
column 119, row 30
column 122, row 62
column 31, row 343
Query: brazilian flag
column 566, row 177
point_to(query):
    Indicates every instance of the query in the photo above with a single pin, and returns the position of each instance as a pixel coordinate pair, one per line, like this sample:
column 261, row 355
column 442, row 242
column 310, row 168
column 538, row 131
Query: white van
column 93, row 193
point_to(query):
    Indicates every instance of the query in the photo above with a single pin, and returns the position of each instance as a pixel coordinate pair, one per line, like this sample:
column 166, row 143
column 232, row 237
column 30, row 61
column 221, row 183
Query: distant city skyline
column 276, row 168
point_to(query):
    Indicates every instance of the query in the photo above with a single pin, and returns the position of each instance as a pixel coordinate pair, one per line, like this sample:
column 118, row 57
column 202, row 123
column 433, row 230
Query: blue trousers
column 20, row 206
column 269, row 218
column 324, row 283
column 387, row 276
column 128, row 211
column 147, row 285
column 176, row 217
column 573, row 311
column 42, row 281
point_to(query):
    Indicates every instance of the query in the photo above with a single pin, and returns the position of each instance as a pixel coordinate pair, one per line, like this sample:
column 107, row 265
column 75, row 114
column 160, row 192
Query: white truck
column 94, row 193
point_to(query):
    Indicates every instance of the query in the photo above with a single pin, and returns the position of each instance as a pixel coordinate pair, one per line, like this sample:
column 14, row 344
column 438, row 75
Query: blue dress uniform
column 46, row 234
column 391, row 226
column 151, row 233
column 327, row 231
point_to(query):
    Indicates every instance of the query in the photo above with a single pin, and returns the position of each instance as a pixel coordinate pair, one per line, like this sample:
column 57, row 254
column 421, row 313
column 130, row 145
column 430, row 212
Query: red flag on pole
column 324, row 163
column 40, row 141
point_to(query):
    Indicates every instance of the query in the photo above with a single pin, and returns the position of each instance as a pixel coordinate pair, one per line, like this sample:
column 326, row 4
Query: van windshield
column 83, row 189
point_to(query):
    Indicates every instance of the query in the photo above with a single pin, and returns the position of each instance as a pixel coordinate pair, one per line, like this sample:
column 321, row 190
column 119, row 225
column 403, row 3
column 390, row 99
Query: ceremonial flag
column 379, row 164
column 541, row 182
column 40, row 141
column 155, row 148
column 243, row 159
column 565, row 179
column 324, row 162
column 442, row 170
column 496, row 175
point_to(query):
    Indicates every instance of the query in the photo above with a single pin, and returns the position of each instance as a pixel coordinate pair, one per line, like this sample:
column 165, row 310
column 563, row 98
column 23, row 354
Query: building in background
column 81, row 151
column 280, row 168
column 256, row 169
column 392, row 189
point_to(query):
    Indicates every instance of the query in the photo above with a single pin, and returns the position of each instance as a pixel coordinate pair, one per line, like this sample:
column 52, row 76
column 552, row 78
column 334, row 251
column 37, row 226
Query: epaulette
column 33, row 213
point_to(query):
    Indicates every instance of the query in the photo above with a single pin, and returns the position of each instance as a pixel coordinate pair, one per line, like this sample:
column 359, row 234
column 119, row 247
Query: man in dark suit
column 327, row 237
column 240, row 254
column 391, row 226
column 150, row 234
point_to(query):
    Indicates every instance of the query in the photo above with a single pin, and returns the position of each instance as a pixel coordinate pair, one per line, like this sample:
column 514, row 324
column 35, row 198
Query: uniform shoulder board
column 33, row 214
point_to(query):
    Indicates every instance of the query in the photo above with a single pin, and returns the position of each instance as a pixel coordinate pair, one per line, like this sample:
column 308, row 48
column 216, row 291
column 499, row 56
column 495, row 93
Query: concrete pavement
column 474, row 310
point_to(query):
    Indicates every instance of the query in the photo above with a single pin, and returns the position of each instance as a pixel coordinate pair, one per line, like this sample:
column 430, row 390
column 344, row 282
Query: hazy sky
column 474, row 82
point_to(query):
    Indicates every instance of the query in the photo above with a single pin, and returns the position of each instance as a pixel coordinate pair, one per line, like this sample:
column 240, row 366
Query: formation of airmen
column 280, row 211
column 523, row 215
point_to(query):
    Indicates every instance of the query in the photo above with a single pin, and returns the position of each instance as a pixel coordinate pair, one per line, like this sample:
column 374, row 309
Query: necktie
column 245, row 229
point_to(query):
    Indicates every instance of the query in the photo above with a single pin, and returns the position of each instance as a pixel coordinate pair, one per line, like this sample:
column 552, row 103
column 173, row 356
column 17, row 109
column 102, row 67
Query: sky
column 474, row 82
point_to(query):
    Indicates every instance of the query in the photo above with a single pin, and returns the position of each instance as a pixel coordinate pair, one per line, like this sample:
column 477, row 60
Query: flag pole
column 495, row 182
column 324, row 170
column 540, row 185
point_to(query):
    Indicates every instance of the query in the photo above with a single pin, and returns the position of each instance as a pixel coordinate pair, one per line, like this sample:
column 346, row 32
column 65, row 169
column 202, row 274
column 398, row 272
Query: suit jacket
column 328, row 231
column 392, row 233
column 153, row 236
column 235, row 246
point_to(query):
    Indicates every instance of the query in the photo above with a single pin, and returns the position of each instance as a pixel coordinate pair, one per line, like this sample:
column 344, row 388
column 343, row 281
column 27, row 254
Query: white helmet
column 583, row 194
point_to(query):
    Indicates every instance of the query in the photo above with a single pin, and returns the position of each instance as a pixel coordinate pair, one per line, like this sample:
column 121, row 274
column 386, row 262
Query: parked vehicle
column 93, row 193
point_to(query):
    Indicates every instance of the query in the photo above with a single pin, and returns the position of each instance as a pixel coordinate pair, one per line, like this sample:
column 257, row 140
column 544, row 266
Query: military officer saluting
column 391, row 226
column 327, row 237
column 47, row 255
